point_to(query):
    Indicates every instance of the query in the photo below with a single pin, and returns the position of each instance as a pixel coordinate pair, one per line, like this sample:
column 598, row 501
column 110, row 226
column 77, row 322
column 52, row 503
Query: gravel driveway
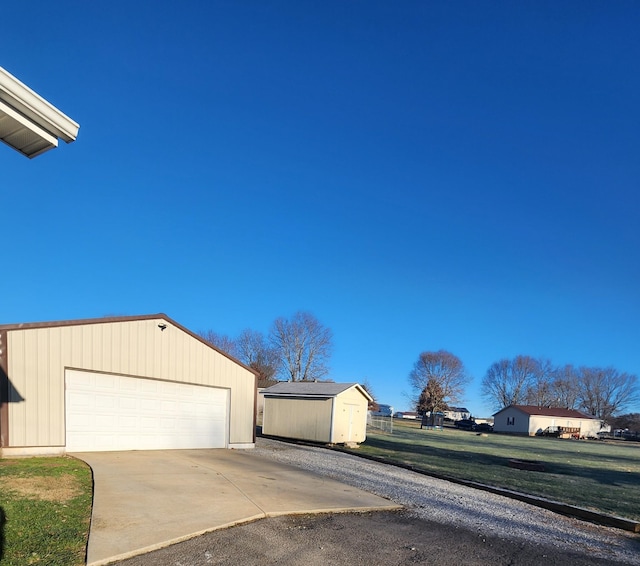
column 443, row 522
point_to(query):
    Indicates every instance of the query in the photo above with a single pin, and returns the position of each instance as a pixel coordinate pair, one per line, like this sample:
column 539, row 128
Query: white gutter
column 44, row 115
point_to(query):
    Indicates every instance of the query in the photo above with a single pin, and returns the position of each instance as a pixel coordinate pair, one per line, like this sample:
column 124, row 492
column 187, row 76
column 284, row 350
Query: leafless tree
column 443, row 368
column 606, row 391
column 303, row 345
column 220, row 341
column 254, row 350
column 507, row 381
column 566, row 387
column 540, row 390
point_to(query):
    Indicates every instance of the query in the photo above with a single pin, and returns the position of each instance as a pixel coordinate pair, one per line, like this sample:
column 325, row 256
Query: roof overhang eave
column 46, row 116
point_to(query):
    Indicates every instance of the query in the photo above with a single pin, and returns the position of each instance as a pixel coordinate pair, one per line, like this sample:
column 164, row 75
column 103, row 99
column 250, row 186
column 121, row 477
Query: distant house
column 553, row 421
column 407, row 415
column 383, row 411
column 457, row 413
column 333, row 413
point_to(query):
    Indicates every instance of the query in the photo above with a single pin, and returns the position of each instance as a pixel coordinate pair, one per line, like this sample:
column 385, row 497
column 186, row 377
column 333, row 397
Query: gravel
column 448, row 503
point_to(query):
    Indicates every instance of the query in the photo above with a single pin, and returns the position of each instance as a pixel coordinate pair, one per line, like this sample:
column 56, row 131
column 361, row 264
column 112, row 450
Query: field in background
column 603, row 476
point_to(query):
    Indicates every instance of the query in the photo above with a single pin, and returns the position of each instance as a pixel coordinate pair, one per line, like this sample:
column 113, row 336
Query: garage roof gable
column 118, row 319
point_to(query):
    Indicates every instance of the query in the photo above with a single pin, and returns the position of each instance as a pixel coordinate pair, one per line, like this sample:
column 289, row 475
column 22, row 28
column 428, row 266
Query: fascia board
column 51, row 141
column 22, row 98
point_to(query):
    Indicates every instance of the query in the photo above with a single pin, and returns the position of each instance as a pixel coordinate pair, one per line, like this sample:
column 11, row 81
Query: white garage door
column 115, row 412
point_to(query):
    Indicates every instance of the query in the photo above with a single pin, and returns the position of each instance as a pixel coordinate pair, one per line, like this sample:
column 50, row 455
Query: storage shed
column 334, row 413
column 124, row 383
column 531, row 420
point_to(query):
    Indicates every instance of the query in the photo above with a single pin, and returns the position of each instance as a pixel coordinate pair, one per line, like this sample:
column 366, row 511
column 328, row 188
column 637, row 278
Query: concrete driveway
column 145, row 500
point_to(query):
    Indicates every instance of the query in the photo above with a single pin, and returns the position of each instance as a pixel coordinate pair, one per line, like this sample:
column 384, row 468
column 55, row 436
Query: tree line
column 438, row 380
column 299, row 349
column 295, row 349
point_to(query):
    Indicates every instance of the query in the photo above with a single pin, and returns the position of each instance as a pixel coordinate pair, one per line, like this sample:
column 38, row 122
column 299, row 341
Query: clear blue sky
column 419, row 175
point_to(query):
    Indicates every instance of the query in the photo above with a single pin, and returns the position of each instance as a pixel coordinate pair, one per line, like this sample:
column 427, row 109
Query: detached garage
column 126, row 383
column 531, row 420
column 334, row 413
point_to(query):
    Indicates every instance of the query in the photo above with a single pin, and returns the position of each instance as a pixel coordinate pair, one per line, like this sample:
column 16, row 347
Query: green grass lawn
column 593, row 474
column 45, row 511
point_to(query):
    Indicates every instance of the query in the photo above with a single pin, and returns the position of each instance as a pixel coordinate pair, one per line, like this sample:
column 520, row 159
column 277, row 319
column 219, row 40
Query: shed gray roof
column 311, row 389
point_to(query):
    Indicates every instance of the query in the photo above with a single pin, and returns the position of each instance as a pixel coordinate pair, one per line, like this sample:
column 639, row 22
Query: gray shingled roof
column 308, row 389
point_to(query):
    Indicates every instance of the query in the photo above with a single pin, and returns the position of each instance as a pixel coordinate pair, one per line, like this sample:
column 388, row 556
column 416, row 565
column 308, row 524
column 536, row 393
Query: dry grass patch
column 59, row 489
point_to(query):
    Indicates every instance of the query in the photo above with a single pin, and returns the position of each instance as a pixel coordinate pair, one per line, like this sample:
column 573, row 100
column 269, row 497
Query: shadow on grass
column 420, row 454
column 3, row 520
column 448, row 461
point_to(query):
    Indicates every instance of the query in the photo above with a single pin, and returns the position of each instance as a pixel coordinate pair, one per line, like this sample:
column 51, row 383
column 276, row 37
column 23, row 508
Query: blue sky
column 419, row 175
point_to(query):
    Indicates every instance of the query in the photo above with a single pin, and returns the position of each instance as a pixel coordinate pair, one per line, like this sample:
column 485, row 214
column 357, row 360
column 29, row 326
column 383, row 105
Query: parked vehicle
column 465, row 424
column 484, row 427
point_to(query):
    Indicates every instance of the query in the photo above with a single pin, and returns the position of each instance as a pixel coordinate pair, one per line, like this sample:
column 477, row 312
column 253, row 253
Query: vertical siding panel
column 151, row 354
column 125, row 350
column 166, row 337
column 96, row 344
column 76, row 346
column 87, row 347
column 43, row 386
column 178, row 368
column 56, row 373
column 31, row 384
column 134, row 332
column 15, row 341
column 107, row 346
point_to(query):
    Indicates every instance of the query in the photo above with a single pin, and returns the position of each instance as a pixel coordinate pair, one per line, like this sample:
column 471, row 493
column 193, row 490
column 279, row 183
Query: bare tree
column 253, row 350
column 303, row 345
column 606, row 391
column 443, row 368
column 566, row 387
column 539, row 389
column 220, row 341
column 507, row 381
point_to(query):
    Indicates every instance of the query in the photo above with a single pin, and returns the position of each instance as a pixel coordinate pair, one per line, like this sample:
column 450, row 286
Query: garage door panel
column 106, row 412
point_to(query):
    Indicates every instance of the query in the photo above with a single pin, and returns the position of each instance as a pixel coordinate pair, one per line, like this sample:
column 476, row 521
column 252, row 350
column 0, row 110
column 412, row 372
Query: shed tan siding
column 39, row 356
column 306, row 419
column 350, row 417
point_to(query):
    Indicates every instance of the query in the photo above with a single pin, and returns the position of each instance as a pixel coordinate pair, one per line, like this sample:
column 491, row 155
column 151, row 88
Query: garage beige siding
column 139, row 348
column 306, row 419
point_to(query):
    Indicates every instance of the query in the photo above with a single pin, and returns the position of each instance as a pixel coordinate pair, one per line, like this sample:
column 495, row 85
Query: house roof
column 111, row 319
column 548, row 412
column 28, row 123
column 312, row 389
